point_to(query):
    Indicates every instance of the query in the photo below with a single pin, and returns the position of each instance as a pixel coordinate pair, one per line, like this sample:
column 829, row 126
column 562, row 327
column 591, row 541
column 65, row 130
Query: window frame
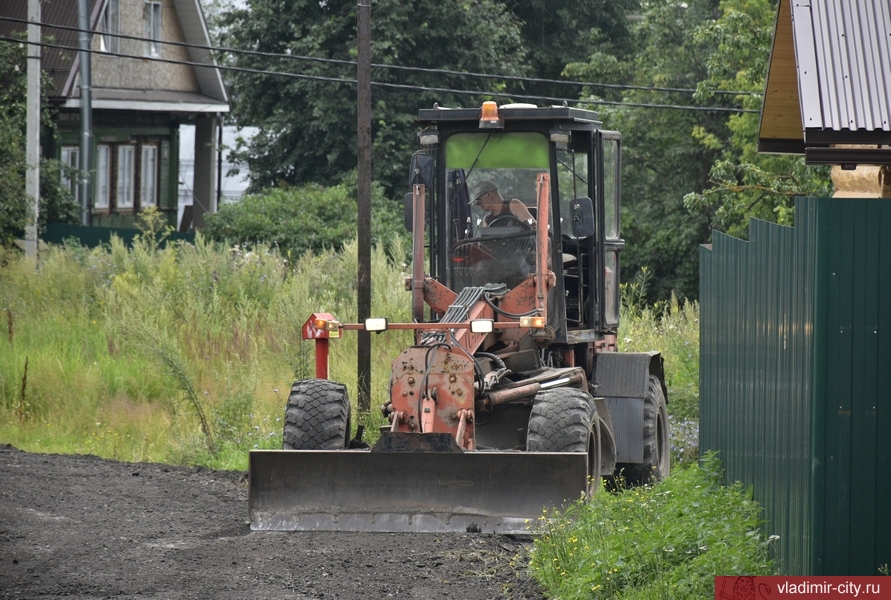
column 70, row 157
column 152, row 16
column 148, row 184
column 103, row 178
column 111, row 26
column 125, row 180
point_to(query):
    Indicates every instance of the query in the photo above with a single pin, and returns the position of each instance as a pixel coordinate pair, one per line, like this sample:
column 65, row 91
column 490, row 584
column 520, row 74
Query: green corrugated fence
column 795, row 381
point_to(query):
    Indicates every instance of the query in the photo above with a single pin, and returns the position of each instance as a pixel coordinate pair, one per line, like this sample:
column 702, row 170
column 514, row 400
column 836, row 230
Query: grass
column 663, row 541
column 672, row 328
column 185, row 354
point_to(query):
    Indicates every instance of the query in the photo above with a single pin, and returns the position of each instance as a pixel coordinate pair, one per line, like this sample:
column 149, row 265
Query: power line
column 595, row 102
column 224, row 49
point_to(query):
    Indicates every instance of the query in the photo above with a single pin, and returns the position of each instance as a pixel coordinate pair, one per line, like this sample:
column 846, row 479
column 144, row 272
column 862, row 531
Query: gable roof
column 63, row 65
column 829, row 81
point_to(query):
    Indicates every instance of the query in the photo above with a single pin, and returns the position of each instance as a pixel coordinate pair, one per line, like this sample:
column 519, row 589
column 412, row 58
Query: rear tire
column 566, row 420
column 317, row 416
column 657, row 464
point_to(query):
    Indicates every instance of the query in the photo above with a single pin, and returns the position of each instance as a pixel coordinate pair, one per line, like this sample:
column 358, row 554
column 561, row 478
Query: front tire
column 317, row 416
column 566, row 420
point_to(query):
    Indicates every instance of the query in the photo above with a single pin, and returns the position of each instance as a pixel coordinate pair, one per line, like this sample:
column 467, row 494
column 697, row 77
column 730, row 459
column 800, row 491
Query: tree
column 56, row 203
column 661, row 160
column 689, row 171
column 742, row 183
column 308, row 126
column 558, row 33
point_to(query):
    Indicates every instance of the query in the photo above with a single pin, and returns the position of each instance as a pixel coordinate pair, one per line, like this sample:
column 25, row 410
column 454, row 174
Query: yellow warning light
column 326, row 325
column 532, row 322
column 489, row 117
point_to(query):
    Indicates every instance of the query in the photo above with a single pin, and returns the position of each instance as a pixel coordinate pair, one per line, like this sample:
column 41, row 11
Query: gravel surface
column 85, row 527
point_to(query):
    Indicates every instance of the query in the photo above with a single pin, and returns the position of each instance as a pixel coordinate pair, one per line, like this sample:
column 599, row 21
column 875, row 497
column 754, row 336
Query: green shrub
column 310, row 218
column 56, row 203
column 663, row 541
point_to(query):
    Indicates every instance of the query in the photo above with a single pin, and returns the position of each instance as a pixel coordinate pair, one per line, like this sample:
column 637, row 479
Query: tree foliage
column 689, row 171
column 558, row 33
column 661, row 160
column 742, row 183
column 687, row 167
column 308, row 126
column 56, row 203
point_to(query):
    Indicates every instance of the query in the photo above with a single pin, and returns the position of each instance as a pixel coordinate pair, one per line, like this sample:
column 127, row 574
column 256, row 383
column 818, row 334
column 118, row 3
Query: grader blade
column 358, row 490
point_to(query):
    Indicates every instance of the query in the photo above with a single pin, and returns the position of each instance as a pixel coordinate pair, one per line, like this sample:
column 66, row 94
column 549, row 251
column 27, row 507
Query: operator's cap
column 483, row 188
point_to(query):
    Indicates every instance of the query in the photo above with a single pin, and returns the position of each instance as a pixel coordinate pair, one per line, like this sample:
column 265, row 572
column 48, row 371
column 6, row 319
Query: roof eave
column 212, row 106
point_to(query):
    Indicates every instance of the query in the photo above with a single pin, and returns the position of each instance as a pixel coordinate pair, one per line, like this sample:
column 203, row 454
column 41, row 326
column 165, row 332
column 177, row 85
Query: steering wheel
column 507, row 220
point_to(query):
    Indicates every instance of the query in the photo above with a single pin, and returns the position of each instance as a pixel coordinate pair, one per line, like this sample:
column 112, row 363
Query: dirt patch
column 85, row 527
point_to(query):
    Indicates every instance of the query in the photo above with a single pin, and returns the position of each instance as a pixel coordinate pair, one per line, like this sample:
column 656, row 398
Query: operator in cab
column 487, row 197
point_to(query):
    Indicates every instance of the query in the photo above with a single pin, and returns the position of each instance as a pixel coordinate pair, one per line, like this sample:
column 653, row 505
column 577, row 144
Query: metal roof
column 829, row 79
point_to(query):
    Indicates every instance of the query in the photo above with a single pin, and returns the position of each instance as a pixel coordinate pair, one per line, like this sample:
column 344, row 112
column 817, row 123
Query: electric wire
column 223, row 49
column 341, row 80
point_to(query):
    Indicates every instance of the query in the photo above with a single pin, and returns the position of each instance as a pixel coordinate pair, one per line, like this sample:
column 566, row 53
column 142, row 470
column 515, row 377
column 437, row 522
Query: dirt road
column 84, row 527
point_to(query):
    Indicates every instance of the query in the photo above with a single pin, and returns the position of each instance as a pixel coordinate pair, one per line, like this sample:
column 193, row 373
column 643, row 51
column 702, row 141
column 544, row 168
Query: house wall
column 136, row 129
column 115, row 72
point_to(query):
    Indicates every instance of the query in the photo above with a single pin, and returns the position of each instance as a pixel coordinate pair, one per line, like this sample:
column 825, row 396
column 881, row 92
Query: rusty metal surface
column 355, row 490
column 442, row 374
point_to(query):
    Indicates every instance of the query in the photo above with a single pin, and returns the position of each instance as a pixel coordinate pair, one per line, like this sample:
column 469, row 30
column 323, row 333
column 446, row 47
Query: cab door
column 612, row 242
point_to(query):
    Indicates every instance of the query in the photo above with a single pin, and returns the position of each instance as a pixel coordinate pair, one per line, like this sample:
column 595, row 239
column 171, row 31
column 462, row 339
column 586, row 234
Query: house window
column 111, row 25
column 125, row 176
column 103, row 177
column 149, row 174
column 71, row 160
column 152, row 28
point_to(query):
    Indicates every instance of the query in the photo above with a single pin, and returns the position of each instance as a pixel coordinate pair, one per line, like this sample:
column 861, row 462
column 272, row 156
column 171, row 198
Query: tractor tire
column 656, row 463
column 317, row 416
column 566, row 420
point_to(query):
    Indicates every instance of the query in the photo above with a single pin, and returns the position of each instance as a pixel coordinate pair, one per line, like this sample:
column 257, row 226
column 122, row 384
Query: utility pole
column 363, row 287
column 86, row 108
column 32, row 129
column 364, row 185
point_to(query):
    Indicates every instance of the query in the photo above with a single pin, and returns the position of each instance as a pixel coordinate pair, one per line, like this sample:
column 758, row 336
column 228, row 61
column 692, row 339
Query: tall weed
column 672, row 328
column 203, row 341
column 198, row 343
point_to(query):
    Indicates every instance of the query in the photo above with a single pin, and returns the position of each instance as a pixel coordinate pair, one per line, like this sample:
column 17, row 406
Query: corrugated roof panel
column 852, row 53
